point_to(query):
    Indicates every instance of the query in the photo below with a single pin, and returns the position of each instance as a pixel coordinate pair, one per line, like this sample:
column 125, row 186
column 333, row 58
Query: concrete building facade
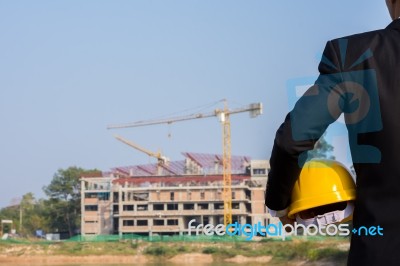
column 136, row 200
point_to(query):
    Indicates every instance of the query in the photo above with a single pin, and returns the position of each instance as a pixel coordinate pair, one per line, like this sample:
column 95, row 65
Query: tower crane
column 161, row 159
column 223, row 115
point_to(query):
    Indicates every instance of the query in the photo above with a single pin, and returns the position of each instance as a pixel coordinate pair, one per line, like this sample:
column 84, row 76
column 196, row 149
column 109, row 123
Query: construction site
column 161, row 198
column 134, row 200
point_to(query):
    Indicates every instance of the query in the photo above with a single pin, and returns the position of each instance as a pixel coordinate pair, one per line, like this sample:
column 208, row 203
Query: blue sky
column 70, row 68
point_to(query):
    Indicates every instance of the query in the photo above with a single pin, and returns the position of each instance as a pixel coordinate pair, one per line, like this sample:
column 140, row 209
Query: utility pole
column 20, row 217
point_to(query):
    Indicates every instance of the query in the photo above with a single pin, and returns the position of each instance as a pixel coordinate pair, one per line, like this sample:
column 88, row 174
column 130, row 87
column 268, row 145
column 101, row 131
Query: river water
column 191, row 264
column 167, row 264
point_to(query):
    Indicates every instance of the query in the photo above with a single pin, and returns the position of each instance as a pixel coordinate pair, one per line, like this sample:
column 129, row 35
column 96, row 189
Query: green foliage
column 94, row 248
column 10, row 213
column 134, row 244
column 242, row 246
column 60, row 212
column 327, row 253
column 322, row 150
column 32, row 213
column 166, row 250
column 183, row 249
column 160, row 250
column 224, row 252
column 268, row 239
column 65, row 184
column 64, row 204
column 210, row 250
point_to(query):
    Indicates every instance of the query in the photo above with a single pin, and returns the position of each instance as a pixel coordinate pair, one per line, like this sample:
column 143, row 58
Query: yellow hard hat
column 323, row 183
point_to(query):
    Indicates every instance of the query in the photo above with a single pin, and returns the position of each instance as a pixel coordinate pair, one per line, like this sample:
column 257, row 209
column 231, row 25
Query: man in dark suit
column 360, row 77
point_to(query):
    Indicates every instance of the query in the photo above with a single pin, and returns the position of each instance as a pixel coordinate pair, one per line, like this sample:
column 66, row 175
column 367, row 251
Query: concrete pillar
column 212, row 220
column 111, row 206
column 119, row 210
column 120, row 227
column 82, row 207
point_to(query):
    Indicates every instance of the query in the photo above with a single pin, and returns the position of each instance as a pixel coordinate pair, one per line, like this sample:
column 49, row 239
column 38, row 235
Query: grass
column 69, row 248
column 166, row 250
column 281, row 251
column 327, row 254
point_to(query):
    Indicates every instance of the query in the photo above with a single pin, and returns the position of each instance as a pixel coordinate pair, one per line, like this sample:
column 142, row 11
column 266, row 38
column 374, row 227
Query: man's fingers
column 286, row 220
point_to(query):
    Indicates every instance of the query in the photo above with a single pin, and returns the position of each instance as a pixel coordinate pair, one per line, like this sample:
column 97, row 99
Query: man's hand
column 286, row 220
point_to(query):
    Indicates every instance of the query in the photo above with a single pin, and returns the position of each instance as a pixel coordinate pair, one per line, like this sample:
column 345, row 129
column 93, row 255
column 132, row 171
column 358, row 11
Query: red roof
column 177, row 179
column 206, row 161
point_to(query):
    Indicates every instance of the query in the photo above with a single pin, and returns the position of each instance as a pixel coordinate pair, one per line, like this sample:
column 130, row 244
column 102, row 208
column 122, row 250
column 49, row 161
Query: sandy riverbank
column 183, row 259
column 294, row 252
column 62, row 259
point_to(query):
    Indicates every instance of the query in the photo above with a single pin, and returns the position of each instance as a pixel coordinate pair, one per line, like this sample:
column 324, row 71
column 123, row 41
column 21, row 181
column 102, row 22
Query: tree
column 322, row 150
column 10, row 213
column 64, row 204
column 27, row 210
column 26, row 207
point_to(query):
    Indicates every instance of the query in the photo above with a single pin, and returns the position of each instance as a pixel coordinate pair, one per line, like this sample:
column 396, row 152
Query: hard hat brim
column 328, row 198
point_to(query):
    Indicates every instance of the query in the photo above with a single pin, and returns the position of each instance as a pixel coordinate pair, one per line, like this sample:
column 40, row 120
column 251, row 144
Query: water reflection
column 161, row 263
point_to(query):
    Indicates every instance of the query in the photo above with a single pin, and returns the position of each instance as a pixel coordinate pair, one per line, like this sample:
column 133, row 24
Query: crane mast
column 227, row 166
column 254, row 109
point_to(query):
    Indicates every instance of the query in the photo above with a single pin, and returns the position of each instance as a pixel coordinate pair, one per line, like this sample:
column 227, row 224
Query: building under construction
column 162, row 199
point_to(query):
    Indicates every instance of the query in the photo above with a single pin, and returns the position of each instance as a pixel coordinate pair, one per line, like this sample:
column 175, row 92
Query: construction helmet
column 323, row 194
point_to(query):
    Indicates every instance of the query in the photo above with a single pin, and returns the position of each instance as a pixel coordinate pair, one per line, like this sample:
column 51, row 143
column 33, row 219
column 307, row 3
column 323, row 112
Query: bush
column 210, row 250
column 327, row 253
column 228, row 252
column 160, row 251
column 134, row 244
column 267, row 239
column 224, row 252
column 183, row 249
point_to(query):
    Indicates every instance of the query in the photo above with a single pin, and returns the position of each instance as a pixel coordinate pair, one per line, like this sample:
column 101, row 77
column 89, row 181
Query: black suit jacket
column 360, row 76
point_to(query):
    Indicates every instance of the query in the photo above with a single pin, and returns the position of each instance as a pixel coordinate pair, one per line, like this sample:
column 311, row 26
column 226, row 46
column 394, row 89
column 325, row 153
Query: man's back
column 378, row 182
column 359, row 76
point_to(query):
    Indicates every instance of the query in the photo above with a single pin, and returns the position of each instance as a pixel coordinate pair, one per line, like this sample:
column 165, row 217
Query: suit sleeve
column 302, row 128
